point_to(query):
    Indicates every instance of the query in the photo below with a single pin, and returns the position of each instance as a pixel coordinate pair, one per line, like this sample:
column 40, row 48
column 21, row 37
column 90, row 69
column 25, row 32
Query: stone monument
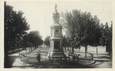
column 56, row 51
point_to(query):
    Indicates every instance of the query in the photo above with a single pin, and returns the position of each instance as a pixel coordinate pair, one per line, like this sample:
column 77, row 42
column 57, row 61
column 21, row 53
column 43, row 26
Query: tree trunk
column 6, row 58
column 97, row 51
column 85, row 51
column 79, row 49
column 107, row 47
column 72, row 50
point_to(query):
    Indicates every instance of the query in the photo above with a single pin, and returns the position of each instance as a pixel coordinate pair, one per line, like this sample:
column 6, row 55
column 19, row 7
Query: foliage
column 47, row 41
column 32, row 39
column 106, row 39
column 83, row 28
column 15, row 27
column 65, row 42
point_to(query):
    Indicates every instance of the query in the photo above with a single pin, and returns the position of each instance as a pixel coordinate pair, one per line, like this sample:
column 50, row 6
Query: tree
column 110, row 40
column 47, row 41
column 32, row 39
column 106, row 38
column 15, row 27
column 65, row 42
column 102, row 39
column 83, row 28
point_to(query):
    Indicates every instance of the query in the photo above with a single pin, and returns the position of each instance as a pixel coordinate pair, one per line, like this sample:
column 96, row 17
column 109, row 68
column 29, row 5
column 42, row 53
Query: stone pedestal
column 56, row 53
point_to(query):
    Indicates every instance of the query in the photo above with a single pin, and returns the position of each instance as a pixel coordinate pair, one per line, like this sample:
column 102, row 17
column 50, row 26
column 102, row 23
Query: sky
column 38, row 13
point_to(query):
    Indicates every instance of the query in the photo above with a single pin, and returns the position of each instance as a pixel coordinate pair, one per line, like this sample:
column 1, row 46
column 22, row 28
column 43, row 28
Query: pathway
column 30, row 58
column 102, row 60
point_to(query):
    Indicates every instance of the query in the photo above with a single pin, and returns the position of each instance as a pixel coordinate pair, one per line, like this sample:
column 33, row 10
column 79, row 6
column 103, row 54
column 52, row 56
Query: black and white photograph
column 58, row 34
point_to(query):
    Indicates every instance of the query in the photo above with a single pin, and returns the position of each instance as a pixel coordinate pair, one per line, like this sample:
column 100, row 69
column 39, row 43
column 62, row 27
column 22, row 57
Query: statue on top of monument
column 56, row 15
